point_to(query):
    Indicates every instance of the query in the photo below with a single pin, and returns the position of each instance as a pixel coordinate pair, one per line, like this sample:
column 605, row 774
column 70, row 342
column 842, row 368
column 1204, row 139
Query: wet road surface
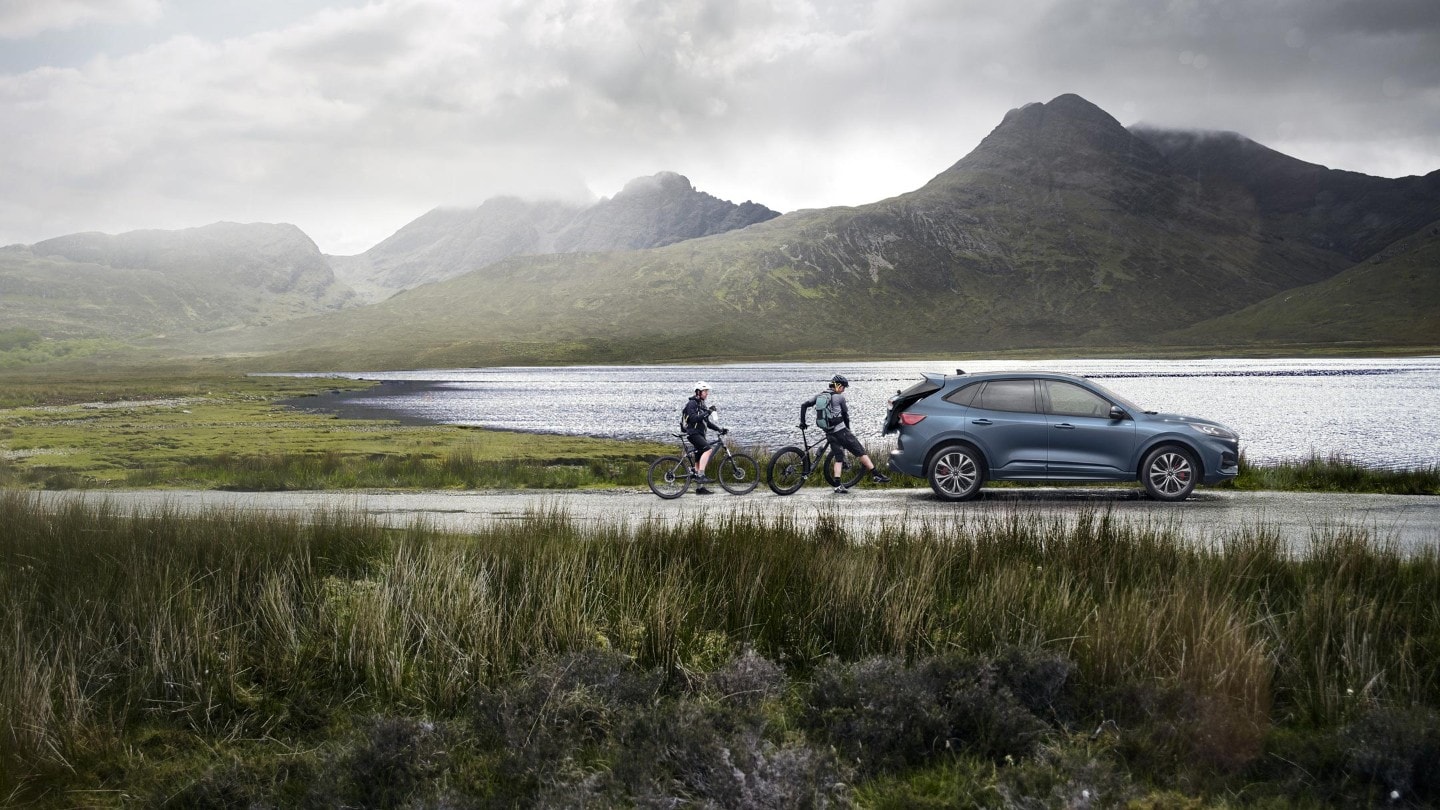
column 1413, row 522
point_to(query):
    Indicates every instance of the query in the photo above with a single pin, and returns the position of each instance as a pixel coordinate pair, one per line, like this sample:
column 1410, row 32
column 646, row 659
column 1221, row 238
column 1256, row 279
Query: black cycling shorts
column 843, row 439
column 698, row 441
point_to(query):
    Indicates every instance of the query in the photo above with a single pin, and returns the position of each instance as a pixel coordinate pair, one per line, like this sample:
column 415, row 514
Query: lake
column 1379, row 412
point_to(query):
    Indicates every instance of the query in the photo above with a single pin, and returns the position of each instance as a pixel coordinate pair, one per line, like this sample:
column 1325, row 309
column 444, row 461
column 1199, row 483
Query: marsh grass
column 230, row 627
column 1336, row 474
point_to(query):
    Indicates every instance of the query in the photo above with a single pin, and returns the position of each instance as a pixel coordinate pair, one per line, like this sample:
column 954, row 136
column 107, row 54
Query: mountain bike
column 670, row 476
column 790, row 466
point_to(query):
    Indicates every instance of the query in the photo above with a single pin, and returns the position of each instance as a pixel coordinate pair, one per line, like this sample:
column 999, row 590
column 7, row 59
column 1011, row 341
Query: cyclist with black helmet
column 832, row 415
column 694, row 419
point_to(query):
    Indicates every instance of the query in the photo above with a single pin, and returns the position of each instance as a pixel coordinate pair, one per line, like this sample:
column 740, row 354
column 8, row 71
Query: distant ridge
column 649, row 212
column 146, row 283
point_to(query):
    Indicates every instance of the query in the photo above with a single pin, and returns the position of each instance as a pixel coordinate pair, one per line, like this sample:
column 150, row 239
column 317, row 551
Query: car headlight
column 1212, row 430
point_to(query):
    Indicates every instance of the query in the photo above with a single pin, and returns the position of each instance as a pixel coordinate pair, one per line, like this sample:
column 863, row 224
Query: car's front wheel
column 1169, row 473
column 956, row 473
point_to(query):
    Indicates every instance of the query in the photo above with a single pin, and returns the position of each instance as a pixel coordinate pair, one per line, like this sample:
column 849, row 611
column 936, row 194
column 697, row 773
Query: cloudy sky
column 351, row 119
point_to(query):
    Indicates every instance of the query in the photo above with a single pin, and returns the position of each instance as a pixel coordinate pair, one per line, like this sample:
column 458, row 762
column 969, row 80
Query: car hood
column 1181, row 419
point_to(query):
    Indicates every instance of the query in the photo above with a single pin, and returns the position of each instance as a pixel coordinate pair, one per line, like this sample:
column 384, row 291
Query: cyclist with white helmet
column 694, row 419
column 832, row 415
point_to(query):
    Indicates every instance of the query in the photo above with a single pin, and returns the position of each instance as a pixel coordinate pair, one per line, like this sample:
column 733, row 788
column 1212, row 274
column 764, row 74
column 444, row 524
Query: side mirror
column 1118, row 413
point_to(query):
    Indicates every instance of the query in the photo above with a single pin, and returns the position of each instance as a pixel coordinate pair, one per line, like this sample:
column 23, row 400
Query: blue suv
column 959, row 430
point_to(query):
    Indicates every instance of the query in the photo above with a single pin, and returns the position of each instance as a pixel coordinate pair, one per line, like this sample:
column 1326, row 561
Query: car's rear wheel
column 1169, row 473
column 956, row 473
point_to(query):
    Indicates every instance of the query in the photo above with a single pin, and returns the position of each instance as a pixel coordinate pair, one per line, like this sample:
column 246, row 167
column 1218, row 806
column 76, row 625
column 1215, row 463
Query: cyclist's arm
column 845, row 413
column 805, row 408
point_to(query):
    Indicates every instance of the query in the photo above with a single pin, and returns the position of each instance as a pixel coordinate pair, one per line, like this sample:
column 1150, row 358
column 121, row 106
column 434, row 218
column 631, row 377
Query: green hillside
column 1392, row 297
column 156, row 283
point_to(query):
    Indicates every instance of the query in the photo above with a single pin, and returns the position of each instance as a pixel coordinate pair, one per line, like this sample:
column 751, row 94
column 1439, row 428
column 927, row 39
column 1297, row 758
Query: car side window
column 964, row 396
column 1009, row 395
column 1072, row 400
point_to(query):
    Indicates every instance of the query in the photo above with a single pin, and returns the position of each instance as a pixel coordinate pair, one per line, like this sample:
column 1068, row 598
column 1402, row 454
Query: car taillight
column 908, row 419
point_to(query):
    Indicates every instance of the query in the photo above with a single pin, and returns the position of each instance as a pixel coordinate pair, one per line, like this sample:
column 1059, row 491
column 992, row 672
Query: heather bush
column 1397, row 748
column 390, row 762
column 885, row 715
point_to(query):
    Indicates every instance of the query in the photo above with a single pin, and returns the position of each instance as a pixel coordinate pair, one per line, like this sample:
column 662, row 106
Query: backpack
column 822, row 411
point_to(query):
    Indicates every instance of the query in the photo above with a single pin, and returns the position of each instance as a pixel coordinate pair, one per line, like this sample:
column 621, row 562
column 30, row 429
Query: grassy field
column 230, row 433
column 234, row 660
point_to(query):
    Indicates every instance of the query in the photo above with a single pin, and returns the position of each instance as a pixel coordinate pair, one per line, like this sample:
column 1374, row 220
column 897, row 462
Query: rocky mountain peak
column 1066, row 133
column 664, row 183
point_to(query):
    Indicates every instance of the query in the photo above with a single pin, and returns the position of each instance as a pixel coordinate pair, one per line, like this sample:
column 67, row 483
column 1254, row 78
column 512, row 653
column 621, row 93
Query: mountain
column 1391, row 297
column 1348, row 213
column 649, row 212
column 145, row 283
column 1062, row 228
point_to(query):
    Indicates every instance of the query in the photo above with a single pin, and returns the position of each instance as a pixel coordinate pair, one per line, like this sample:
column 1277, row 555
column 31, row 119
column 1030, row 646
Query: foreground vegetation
column 235, row 660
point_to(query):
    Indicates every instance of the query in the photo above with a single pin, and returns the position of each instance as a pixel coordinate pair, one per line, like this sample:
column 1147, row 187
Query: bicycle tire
column 668, row 477
column 739, row 473
column 851, row 471
column 787, row 470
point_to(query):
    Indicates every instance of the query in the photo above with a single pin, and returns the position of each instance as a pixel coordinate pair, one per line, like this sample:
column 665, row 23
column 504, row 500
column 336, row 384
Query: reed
column 234, row 626
column 1336, row 473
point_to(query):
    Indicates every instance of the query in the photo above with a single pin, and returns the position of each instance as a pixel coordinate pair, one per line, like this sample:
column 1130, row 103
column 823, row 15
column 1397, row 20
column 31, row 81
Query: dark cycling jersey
column 696, row 417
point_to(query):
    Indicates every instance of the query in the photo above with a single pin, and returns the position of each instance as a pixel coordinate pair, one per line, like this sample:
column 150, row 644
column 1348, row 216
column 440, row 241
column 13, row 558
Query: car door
column 1005, row 420
column 1085, row 442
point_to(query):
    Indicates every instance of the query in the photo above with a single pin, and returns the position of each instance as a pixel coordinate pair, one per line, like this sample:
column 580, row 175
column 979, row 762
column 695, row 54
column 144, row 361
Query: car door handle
column 1064, row 426
column 981, row 422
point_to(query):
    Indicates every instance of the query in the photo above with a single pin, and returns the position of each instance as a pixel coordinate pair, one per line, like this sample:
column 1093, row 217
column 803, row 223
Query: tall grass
column 236, row 626
column 1336, row 474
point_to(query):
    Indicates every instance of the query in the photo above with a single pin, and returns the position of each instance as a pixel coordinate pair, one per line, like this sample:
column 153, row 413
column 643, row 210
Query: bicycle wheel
column 851, row 471
column 787, row 471
column 668, row 477
column 739, row 473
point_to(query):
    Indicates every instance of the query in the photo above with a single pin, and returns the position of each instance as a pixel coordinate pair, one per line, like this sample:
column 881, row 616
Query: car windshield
column 1116, row 398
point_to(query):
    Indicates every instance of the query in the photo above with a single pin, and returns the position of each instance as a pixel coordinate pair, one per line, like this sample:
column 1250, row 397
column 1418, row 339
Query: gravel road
column 1411, row 521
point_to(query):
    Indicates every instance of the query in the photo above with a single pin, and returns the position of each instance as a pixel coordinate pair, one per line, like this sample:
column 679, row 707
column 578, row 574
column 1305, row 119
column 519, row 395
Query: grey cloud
column 360, row 118
column 26, row 18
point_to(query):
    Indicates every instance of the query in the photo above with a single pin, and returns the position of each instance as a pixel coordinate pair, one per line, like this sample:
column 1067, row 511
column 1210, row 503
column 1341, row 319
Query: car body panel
column 1084, row 441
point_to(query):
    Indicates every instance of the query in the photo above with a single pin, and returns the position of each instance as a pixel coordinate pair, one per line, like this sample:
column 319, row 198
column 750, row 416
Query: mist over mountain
column 1348, row 213
column 144, row 283
column 649, row 212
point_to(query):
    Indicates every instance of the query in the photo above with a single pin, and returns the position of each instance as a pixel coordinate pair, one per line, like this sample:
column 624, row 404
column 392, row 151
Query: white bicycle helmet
column 702, row 386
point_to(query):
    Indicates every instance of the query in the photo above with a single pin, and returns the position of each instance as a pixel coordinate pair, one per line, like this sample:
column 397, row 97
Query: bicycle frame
column 813, row 456
column 671, row 476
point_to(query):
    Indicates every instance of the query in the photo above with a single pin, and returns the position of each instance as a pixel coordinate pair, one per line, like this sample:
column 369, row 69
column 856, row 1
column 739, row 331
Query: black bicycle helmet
column 839, row 379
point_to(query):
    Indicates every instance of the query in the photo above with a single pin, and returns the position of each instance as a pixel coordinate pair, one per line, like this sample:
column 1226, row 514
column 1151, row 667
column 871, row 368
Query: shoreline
column 339, row 402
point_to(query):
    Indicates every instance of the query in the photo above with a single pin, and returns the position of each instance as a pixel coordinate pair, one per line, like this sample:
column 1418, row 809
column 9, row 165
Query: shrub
column 681, row 754
column 748, row 680
column 1398, row 748
column 392, row 760
column 881, row 714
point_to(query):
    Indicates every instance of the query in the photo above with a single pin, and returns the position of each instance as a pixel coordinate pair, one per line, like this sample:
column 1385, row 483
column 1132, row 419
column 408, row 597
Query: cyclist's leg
column 700, row 455
column 846, row 441
column 835, row 454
